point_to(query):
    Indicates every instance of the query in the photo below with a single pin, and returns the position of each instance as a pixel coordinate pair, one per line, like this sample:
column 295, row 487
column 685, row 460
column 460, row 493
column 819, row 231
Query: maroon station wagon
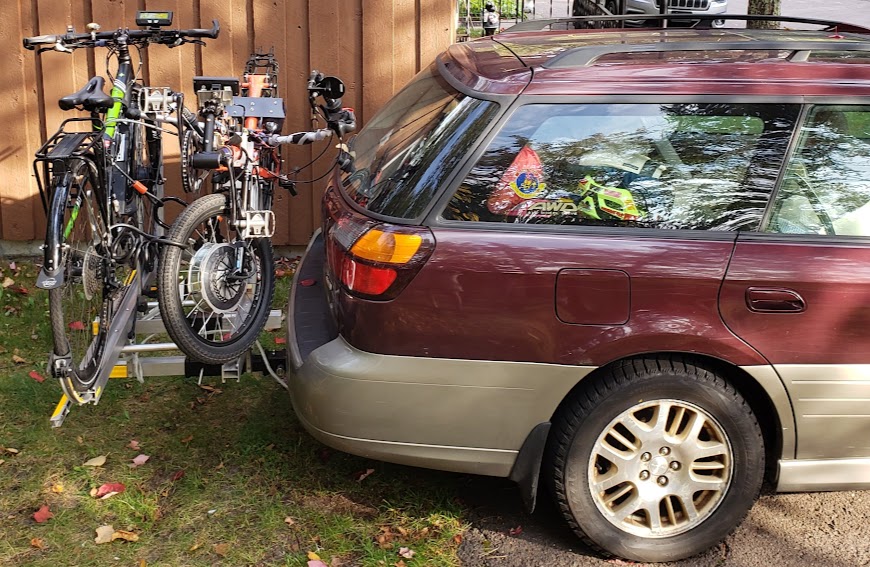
column 631, row 263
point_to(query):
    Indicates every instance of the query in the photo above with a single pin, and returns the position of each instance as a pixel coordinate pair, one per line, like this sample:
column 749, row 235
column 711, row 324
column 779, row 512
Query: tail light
column 371, row 259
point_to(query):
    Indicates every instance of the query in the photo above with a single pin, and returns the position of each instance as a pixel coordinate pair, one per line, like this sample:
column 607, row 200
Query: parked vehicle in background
column 632, row 263
column 653, row 7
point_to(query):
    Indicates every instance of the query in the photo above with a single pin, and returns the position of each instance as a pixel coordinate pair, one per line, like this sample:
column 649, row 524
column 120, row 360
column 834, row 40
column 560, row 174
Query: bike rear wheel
column 213, row 316
column 78, row 308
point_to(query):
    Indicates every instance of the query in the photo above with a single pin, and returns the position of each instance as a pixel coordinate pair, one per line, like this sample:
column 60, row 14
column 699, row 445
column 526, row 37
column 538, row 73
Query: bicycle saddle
column 90, row 97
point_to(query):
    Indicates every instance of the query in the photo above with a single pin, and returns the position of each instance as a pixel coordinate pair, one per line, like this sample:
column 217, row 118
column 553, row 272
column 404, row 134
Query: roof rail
column 584, row 56
column 699, row 21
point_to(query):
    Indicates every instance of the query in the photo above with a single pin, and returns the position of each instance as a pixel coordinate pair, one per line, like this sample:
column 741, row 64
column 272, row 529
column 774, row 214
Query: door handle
column 766, row 300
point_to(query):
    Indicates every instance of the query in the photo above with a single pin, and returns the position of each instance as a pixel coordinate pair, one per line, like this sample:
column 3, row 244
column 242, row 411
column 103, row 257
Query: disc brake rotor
column 208, row 281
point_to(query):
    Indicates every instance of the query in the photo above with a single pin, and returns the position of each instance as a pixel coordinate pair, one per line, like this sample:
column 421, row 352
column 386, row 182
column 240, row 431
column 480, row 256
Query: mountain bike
column 100, row 180
column 215, row 290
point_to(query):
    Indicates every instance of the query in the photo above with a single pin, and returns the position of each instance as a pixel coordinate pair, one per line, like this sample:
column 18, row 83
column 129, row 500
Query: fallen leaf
column 336, row 562
column 316, row 563
column 37, row 543
column 79, row 440
column 399, row 563
column 133, row 444
column 37, row 376
column 21, row 290
column 104, row 534
column 139, row 460
column 177, row 476
column 457, row 539
column 221, row 548
column 187, row 439
column 194, row 547
column 7, row 281
column 13, row 266
column 142, row 563
column 18, row 360
column 57, row 488
column 362, row 475
column 42, row 515
column 280, row 341
column 289, row 521
column 76, row 326
column 516, row 531
column 11, row 451
column 93, row 493
column 313, row 556
column 109, row 489
column 95, row 462
column 124, row 535
column 34, row 337
column 2, row 461
column 407, row 552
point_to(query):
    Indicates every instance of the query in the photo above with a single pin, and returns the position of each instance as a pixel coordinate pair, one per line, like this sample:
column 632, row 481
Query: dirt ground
column 783, row 530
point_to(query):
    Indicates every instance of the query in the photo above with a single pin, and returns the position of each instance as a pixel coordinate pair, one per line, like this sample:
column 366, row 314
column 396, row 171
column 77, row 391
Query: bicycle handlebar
column 94, row 39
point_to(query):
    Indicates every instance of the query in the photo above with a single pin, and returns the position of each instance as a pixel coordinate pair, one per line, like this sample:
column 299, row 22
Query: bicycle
column 102, row 192
column 215, row 292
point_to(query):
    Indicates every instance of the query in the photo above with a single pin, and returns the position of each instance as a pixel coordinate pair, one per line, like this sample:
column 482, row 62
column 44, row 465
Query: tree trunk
column 763, row 8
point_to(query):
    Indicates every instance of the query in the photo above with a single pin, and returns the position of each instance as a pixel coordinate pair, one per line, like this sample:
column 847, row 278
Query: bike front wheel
column 215, row 290
column 78, row 307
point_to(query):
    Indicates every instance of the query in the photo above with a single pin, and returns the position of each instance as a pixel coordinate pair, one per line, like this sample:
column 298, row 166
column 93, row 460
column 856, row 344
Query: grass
column 232, row 478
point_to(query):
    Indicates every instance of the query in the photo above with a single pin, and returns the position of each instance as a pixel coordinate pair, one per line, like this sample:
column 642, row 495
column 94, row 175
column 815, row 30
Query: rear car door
column 799, row 290
column 588, row 232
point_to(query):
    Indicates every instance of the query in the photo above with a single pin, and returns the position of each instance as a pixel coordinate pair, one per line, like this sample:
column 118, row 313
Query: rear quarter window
column 406, row 152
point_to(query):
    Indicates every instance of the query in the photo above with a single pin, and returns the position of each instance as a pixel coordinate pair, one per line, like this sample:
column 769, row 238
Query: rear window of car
column 673, row 166
column 406, row 152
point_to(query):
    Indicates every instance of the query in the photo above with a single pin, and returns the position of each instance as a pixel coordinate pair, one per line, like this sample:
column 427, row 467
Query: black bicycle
column 101, row 184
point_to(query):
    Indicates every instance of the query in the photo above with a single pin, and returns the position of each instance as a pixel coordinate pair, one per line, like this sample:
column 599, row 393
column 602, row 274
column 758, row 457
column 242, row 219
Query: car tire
column 655, row 460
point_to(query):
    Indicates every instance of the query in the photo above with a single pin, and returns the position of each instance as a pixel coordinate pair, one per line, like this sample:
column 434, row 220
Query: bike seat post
column 208, row 135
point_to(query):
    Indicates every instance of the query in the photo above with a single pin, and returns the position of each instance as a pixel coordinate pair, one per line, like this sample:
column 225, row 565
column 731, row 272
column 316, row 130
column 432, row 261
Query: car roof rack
column 800, row 50
column 703, row 21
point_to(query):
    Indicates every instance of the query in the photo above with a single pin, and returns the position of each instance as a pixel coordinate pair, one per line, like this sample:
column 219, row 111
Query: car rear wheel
column 656, row 460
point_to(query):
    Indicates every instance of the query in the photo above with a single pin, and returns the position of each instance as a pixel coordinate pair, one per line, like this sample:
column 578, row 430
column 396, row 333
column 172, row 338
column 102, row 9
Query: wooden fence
column 375, row 46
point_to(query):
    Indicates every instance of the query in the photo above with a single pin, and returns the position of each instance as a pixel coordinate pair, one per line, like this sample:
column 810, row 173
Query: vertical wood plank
column 350, row 56
column 62, row 73
column 405, row 23
column 270, row 30
column 437, row 27
column 19, row 203
column 226, row 57
column 324, row 38
column 377, row 50
column 295, row 69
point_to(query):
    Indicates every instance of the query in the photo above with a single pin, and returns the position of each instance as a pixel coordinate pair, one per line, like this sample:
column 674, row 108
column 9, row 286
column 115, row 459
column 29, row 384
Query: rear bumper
column 458, row 415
